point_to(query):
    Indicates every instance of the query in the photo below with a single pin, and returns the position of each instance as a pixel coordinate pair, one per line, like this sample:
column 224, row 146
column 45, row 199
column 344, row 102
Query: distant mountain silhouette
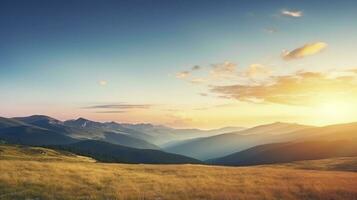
column 163, row 134
column 288, row 152
column 144, row 136
column 6, row 123
column 99, row 130
column 29, row 135
column 38, row 120
column 107, row 152
column 86, row 129
column 154, row 134
column 135, row 143
column 224, row 144
column 314, row 143
column 126, row 140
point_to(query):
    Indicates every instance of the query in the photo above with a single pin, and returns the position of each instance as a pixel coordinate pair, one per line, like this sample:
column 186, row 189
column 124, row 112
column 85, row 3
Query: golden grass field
column 37, row 177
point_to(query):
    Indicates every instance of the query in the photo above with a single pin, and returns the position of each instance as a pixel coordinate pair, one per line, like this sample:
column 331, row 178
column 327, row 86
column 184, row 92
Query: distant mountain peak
column 38, row 118
column 81, row 119
column 82, row 122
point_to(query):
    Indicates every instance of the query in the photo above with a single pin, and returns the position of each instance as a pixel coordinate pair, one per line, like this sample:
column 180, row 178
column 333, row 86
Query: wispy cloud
column 117, row 108
column 291, row 13
column 102, row 82
column 215, row 72
column 183, row 74
column 112, row 111
column 300, row 88
column 196, row 67
column 120, row 106
column 199, row 80
column 270, row 30
column 257, row 71
column 306, row 50
column 187, row 73
column 223, row 69
column 228, row 73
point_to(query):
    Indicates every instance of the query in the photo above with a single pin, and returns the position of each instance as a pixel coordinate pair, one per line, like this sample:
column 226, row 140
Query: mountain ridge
column 227, row 143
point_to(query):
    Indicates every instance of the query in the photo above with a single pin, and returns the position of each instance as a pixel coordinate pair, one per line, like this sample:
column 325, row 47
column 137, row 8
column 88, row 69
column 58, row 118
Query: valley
column 45, row 158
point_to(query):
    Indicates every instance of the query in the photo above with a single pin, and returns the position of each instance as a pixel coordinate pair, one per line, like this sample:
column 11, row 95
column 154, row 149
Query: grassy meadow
column 27, row 173
column 331, row 164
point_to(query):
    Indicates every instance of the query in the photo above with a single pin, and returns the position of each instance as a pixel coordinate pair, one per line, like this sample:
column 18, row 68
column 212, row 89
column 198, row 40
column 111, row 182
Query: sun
column 335, row 111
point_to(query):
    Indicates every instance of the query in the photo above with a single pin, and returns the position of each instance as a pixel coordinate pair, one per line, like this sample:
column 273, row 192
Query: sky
column 203, row 64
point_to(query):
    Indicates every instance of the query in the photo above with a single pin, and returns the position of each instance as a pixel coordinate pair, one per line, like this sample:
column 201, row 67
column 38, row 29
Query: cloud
column 117, row 108
column 227, row 72
column 226, row 69
column 271, row 30
column 353, row 70
column 196, row 67
column 198, row 80
column 292, row 13
column 111, row 111
column 300, row 88
column 187, row 73
column 102, row 82
column 183, row 74
column 218, row 72
column 203, row 94
column 306, row 50
column 257, row 71
column 120, row 106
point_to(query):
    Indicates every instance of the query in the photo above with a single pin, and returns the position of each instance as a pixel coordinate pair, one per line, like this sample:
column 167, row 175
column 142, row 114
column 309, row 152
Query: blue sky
column 54, row 53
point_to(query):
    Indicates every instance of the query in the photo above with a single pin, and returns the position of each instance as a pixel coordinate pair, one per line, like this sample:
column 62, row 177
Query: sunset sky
column 203, row 64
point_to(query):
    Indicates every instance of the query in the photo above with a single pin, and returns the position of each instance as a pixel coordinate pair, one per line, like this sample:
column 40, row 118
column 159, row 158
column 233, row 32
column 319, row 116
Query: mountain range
column 313, row 143
column 147, row 143
column 220, row 145
column 104, row 141
column 107, row 152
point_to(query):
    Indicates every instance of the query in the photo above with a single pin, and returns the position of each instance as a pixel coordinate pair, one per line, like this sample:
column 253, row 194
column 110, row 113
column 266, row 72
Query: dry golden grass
column 84, row 180
column 26, row 174
column 332, row 164
column 18, row 152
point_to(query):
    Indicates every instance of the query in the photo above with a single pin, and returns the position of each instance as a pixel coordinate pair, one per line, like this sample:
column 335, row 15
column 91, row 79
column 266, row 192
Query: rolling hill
column 163, row 134
column 40, row 173
column 144, row 136
column 224, row 144
column 289, row 152
column 41, row 130
column 27, row 153
column 314, row 143
column 154, row 134
column 6, row 123
column 29, row 135
column 329, row 164
column 107, row 152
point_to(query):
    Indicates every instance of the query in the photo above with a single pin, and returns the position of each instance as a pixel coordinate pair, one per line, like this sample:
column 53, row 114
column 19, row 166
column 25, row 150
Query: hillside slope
column 224, row 144
column 29, row 135
column 107, row 152
column 330, row 164
column 84, row 180
column 288, row 152
column 6, row 123
column 26, row 153
column 85, row 129
column 163, row 134
column 314, row 143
